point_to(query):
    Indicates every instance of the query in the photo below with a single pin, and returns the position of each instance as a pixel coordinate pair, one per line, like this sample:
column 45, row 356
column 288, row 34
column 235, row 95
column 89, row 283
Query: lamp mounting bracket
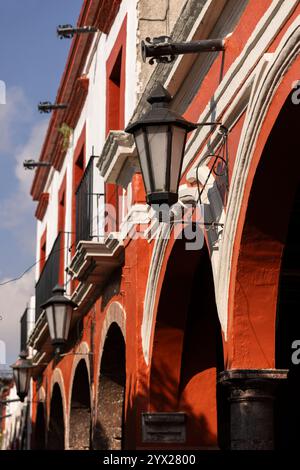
column 67, row 31
column 164, row 51
column 46, row 106
column 32, row 164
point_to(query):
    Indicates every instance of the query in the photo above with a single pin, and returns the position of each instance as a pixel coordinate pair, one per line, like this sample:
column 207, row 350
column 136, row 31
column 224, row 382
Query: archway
column 80, row 411
column 252, row 323
column 187, row 346
column 288, row 332
column 108, row 431
column 40, row 428
column 56, row 431
column 257, row 349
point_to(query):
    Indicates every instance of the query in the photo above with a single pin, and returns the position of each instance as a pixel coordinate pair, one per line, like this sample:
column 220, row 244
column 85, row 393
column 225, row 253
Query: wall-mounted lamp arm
column 32, row 164
column 5, row 402
column 46, row 106
column 163, row 50
column 5, row 416
column 67, row 31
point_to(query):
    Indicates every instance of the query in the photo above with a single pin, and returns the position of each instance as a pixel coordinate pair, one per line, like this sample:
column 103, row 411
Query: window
column 115, row 110
column 78, row 171
column 114, row 95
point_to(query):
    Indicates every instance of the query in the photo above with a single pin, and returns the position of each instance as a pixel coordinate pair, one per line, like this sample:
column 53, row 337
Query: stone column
column 251, row 393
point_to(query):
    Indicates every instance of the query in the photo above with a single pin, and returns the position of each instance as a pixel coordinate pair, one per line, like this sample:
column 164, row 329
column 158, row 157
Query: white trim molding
column 266, row 83
column 118, row 160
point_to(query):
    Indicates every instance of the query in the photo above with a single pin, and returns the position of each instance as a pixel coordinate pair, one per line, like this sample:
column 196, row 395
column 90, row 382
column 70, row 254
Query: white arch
column 81, row 353
column 263, row 90
column 41, row 395
column 114, row 314
column 263, row 84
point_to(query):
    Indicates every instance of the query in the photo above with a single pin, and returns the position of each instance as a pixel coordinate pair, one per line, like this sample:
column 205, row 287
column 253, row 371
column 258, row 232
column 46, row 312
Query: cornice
column 117, row 157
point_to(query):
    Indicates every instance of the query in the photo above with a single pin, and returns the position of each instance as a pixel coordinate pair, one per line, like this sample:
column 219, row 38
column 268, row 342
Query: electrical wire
column 15, row 279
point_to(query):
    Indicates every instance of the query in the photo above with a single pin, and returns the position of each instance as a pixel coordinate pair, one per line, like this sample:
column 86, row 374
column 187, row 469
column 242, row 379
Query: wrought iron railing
column 49, row 276
column 87, row 206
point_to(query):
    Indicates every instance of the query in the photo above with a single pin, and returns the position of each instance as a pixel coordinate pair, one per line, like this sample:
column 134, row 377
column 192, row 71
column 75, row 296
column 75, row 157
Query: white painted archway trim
column 263, row 84
column 81, row 353
column 41, row 395
column 267, row 81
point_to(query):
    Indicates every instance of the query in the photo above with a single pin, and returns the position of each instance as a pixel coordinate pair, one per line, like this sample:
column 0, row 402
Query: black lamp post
column 160, row 137
column 59, row 311
column 22, row 369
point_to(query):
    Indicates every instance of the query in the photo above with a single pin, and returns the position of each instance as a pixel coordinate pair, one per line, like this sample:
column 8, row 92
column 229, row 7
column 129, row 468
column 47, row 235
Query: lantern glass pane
column 16, row 377
column 60, row 312
column 69, row 311
column 26, row 379
column 24, row 375
column 178, row 143
column 158, row 145
column 50, row 320
column 141, row 148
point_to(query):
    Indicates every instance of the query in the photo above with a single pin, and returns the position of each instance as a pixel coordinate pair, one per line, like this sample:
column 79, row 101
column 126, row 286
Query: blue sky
column 32, row 61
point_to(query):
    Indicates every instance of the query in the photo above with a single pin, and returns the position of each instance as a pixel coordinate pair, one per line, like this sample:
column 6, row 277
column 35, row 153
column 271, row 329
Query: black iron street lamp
column 160, row 137
column 22, row 369
column 59, row 311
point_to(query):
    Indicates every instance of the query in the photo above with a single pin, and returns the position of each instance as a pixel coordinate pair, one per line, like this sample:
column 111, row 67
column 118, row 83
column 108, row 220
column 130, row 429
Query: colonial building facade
column 182, row 339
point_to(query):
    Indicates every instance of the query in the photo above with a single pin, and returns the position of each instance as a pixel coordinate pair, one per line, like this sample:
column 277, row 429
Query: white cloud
column 13, row 301
column 16, row 111
column 31, row 150
column 16, row 211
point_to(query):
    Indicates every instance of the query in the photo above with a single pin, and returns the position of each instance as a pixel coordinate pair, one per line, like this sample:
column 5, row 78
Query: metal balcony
column 49, row 276
column 87, row 206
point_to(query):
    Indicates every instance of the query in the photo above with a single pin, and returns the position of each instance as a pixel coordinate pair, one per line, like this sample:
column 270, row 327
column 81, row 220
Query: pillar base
column 251, row 393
